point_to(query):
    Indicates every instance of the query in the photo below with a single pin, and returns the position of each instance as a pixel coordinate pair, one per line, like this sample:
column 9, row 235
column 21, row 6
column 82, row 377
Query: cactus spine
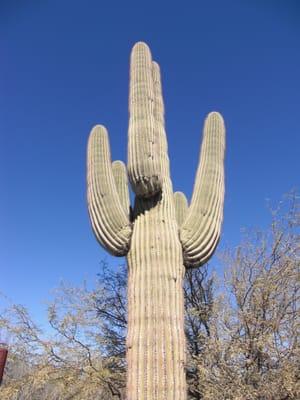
column 161, row 236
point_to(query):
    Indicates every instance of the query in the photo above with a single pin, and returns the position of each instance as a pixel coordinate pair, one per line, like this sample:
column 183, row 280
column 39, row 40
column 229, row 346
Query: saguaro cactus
column 161, row 236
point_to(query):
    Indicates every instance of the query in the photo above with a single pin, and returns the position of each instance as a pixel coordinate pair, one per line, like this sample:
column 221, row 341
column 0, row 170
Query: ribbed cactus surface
column 161, row 235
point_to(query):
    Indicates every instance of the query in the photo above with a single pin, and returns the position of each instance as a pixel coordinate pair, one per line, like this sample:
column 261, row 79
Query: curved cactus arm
column 200, row 231
column 143, row 163
column 181, row 207
column 110, row 223
column 121, row 181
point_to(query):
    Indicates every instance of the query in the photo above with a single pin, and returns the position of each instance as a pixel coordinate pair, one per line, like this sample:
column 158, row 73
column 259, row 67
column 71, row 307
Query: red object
column 3, row 356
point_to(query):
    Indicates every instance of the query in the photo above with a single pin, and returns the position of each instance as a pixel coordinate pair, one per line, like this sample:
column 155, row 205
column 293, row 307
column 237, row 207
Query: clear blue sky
column 64, row 68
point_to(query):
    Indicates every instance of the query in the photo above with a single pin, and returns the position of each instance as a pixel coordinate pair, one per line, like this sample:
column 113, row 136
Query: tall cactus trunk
column 155, row 340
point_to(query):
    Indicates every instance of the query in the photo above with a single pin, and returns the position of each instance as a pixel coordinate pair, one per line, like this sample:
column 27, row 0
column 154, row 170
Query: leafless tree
column 253, row 351
column 242, row 334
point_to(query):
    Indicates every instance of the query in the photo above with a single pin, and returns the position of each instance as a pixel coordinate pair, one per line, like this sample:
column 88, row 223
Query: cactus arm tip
column 181, row 207
column 140, row 45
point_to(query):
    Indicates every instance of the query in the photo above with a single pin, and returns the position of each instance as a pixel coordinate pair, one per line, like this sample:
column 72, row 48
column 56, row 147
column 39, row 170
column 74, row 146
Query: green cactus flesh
column 161, row 236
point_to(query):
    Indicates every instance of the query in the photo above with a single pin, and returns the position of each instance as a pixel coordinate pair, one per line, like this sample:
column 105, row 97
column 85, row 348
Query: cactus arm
column 159, row 118
column 121, row 181
column 109, row 222
column 143, row 163
column 181, row 207
column 159, row 108
column 200, row 231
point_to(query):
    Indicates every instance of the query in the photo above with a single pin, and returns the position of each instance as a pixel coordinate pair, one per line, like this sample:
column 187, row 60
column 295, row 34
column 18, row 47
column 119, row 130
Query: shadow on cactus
column 162, row 235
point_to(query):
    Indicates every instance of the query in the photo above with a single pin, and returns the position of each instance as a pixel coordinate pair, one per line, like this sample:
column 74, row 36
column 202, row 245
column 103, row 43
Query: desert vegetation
column 242, row 327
